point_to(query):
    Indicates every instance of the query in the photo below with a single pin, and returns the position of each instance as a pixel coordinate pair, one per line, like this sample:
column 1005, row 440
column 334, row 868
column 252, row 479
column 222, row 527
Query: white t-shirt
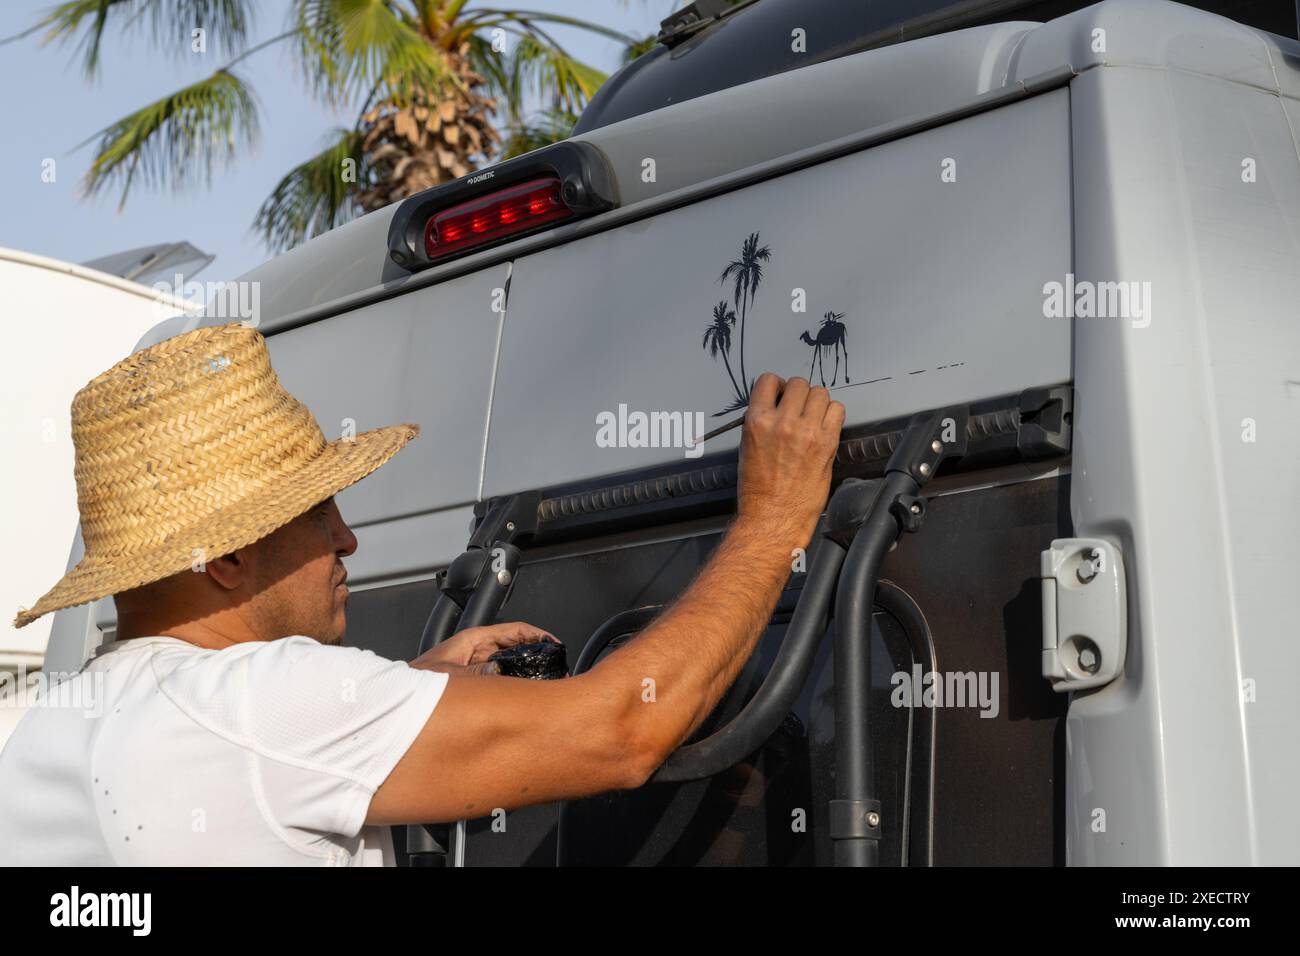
column 160, row 753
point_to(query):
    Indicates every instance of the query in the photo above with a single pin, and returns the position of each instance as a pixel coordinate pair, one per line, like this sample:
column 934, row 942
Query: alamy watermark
column 946, row 689
column 82, row 691
column 635, row 429
column 1083, row 299
column 222, row 300
column 75, row 908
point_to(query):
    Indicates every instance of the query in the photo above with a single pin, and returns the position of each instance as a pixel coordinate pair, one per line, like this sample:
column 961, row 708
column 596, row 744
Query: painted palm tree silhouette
column 747, row 273
column 832, row 334
column 717, row 339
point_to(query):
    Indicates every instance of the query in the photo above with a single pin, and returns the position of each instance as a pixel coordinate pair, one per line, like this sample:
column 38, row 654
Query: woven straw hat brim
column 264, row 509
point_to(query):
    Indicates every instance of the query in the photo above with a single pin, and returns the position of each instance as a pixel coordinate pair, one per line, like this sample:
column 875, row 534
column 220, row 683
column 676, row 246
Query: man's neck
column 213, row 633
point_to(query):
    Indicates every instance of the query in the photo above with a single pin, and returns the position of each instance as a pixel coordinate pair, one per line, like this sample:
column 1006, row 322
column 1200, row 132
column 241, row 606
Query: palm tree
column 747, row 272
column 427, row 75
column 523, row 135
column 717, row 338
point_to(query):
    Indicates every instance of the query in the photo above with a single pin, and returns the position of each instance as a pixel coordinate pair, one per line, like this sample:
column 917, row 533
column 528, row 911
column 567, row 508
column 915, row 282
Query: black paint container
column 540, row 661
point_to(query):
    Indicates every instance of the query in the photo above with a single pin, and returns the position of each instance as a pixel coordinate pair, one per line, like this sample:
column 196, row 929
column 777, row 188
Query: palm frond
column 488, row 63
column 640, row 48
column 315, row 196
column 348, row 46
column 737, row 269
column 227, row 22
column 546, row 68
column 575, row 82
column 319, row 45
column 534, row 66
column 177, row 140
column 549, row 127
column 502, row 75
column 717, row 338
column 64, row 22
column 734, row 406
column 485, row 17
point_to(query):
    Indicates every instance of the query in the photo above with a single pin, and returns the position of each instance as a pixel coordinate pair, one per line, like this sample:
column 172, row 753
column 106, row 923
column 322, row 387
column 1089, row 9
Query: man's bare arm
column 496, row 742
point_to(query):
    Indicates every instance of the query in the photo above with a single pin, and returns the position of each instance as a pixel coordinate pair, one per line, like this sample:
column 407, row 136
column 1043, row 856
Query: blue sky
column 49, row 107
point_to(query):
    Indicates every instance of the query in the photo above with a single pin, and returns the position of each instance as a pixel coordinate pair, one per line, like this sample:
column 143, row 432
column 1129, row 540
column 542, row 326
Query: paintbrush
column 721, row 429
column 735, row 423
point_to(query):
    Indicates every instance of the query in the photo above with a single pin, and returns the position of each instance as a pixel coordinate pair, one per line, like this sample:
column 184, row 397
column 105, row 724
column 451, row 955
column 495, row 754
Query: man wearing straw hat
column 226, row 724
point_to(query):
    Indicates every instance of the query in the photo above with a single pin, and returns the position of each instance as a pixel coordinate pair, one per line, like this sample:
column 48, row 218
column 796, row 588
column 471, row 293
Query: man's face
column 300, row 573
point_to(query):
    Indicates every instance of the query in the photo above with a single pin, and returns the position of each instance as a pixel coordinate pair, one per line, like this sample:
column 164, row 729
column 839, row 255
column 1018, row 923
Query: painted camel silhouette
column 831, row 335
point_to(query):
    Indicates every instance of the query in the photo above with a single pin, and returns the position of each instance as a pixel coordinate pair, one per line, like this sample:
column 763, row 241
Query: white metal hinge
column 1085, row 617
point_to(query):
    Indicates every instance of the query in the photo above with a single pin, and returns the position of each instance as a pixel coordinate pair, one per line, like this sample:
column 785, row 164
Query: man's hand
column 786, row 454
column 469, row 650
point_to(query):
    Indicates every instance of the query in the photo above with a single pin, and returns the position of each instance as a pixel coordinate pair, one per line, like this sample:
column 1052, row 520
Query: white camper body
column 969, row 204
column 67, row 324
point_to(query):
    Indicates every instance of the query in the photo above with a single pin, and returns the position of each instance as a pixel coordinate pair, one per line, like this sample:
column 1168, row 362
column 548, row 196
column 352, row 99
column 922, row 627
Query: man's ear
column 230, row 570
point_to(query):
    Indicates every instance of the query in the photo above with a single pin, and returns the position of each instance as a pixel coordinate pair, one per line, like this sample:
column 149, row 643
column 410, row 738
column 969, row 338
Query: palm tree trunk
column 744, row 308
column 731, row 376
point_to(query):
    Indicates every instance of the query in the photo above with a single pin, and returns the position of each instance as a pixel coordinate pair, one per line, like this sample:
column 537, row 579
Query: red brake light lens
column 495, row 216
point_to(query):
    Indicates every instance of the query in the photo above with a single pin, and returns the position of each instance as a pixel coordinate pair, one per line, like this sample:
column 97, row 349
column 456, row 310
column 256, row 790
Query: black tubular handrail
column 472, row 592
column 440, row 625
column 898, row 604
column 857, row 840
column 855, row 811
column 762, row 715
column 621, row 624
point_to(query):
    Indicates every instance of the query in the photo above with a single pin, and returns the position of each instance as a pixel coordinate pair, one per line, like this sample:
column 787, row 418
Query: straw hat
column 192, row 448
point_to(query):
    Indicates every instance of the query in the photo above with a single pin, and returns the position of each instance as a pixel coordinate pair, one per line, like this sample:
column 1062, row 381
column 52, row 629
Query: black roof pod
column 713, row 45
